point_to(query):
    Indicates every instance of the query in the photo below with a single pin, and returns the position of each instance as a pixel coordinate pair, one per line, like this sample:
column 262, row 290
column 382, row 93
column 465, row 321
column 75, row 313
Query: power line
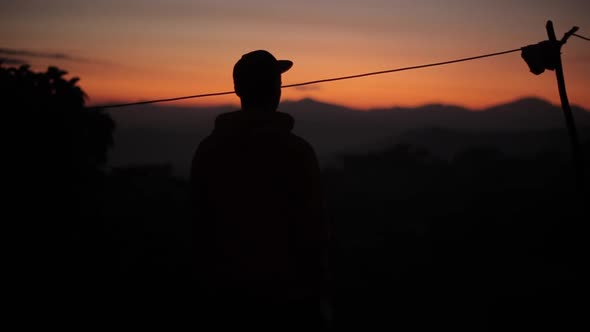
column 402, row 69
column 582, row 37
column 164, row 100
column 317, row 81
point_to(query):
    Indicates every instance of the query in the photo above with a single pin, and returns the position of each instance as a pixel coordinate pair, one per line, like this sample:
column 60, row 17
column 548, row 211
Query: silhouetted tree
column 59, row 148
column 54, row 118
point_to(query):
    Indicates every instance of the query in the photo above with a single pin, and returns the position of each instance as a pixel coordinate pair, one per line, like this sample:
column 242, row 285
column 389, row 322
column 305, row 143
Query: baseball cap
column 258, row 65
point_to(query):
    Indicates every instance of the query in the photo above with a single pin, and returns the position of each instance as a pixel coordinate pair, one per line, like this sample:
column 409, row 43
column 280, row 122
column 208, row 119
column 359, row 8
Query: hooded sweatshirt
column 258, row 212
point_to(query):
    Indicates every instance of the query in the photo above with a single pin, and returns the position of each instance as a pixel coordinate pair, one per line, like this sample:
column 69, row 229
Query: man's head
column 257, row 80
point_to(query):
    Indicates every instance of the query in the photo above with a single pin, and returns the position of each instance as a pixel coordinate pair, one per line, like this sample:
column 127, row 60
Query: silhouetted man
column 259, row 229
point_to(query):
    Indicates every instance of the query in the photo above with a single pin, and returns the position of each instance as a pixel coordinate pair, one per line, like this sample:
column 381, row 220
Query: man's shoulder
column 300, row 142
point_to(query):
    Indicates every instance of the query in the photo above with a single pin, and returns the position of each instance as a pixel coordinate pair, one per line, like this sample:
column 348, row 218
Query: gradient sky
column 145, row 49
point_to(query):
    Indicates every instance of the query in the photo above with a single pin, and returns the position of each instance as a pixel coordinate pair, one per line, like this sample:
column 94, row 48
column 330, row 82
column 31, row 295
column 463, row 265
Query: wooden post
column 567, row 111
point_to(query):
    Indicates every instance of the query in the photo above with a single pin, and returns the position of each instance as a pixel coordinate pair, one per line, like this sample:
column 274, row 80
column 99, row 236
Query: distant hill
column 169, row 135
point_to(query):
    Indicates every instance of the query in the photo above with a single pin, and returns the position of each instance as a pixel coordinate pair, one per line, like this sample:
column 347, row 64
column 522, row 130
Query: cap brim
column 284, row 65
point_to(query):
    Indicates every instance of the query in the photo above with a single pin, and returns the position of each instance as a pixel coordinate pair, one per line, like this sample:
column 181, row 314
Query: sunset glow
column 139, row 50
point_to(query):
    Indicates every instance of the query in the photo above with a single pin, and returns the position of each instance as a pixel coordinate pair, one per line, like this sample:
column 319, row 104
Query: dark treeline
column 485, row 240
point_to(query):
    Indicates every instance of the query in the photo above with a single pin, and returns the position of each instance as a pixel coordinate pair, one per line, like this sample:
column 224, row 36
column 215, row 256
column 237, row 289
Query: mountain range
column 150, row 134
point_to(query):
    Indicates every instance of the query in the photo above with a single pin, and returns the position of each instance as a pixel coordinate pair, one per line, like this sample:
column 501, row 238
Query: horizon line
column 354, row 108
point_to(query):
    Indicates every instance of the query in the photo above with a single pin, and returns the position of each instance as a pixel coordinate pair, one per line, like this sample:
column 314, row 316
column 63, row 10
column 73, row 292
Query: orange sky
column 151, row 49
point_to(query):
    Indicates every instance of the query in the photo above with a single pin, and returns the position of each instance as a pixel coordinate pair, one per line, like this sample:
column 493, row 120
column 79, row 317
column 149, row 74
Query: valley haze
column 168, row 135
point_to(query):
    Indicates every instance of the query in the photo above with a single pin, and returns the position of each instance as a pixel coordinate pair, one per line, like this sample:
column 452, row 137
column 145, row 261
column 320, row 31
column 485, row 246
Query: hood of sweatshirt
column 243, row 122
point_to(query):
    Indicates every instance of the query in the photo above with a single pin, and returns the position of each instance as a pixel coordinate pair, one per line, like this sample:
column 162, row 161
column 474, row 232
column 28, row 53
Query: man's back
column 258, row 202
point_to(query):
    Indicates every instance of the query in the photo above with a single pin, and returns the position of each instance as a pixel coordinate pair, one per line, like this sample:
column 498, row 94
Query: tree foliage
column 50, row 112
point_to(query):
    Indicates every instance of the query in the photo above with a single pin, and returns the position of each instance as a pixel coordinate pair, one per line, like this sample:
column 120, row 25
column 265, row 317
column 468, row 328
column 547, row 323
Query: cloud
column 12, row 61
column 45, row 55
